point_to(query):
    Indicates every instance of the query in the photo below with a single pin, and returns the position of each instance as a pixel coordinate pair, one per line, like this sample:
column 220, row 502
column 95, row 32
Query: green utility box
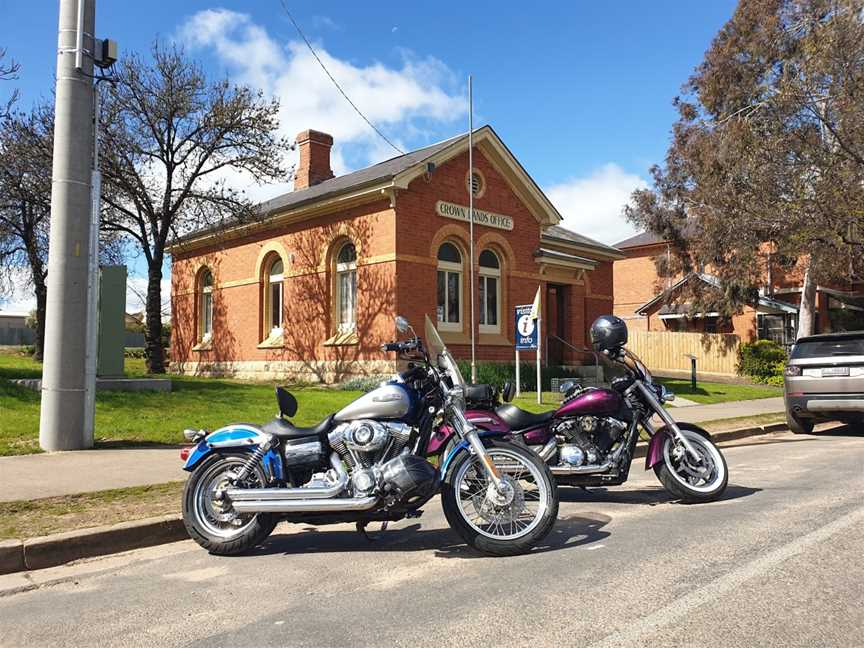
column 112, row 321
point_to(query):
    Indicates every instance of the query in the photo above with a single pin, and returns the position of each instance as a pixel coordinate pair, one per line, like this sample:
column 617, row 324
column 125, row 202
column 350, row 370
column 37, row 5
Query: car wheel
column 799, row 425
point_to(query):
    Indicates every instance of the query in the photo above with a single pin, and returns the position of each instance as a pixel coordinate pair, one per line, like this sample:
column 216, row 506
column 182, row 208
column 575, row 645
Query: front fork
column 469, row 433
column 657, row 406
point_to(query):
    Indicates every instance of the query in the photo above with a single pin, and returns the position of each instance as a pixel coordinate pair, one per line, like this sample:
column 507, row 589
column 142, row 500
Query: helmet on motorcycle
column 608, row 333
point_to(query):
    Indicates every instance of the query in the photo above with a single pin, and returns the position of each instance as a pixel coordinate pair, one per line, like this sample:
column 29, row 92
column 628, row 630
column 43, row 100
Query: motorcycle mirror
column 402, row 324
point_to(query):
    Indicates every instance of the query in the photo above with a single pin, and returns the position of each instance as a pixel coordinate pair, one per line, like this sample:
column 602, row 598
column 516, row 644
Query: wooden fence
column 659, row 350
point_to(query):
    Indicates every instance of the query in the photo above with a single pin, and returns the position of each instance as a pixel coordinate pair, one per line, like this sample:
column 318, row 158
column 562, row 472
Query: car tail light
column 792, row 370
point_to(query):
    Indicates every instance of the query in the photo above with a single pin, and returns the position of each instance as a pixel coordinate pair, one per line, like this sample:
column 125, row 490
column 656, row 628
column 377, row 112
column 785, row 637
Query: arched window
column 205, row 305
column 346, row 288
column 449, row 287
column 274, row 297
column 490, row 292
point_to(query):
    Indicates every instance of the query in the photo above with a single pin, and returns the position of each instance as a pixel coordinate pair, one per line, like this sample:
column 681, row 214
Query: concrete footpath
column 67, row 473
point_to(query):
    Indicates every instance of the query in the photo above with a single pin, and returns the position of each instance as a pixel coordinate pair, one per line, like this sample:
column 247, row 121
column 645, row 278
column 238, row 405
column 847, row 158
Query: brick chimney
column 314, row 166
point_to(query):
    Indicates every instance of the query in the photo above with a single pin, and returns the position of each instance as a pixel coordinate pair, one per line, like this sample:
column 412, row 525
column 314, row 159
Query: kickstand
column 361, row 528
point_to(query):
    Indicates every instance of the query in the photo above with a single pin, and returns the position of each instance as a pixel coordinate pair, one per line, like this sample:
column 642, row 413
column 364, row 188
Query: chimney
column 314, row 166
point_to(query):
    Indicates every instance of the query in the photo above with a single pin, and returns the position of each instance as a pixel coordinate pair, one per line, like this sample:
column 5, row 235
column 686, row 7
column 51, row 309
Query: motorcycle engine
column 587, row 439
column 378, row 462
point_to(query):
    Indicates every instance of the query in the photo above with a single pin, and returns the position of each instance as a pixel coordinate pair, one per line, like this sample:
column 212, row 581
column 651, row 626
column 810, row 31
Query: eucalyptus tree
column 766, row 164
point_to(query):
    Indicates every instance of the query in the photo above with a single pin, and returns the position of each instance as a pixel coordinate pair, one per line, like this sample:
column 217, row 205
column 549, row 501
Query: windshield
column 438, row 353
column 638, row 365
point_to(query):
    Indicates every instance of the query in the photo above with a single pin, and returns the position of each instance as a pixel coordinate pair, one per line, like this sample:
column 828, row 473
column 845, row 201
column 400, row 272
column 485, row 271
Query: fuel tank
column 389, row 401
column 593, row 401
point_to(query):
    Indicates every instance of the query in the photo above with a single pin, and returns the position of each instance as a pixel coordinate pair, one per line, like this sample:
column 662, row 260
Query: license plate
column 835, row 371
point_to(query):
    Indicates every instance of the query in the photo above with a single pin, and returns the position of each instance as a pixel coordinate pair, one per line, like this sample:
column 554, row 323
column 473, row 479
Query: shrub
column 363, row 383
column 497, row 373
column 763, row 361
column 134, row 352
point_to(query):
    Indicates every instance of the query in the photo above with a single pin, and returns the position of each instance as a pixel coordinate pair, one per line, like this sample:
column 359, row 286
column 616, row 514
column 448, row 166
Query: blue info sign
column 526, row 328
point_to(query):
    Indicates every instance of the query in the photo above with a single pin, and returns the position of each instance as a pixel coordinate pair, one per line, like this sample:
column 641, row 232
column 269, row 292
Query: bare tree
column 171, row 137
column 8, row 72
column 26, row 145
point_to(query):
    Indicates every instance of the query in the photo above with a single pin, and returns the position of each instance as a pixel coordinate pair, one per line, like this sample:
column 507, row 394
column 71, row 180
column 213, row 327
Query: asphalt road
column 778, row 562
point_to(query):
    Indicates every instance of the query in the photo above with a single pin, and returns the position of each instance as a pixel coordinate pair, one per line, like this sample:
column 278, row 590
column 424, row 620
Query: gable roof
column 713, row 282
column 384, row 178
column 643, row 238
column 556, row 233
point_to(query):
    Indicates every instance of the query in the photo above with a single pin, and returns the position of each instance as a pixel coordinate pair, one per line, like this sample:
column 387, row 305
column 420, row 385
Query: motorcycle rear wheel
column 500, row 530
column 212, row 522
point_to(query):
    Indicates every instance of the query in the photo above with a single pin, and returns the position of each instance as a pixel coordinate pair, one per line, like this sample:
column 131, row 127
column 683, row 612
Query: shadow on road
column 645, row 496
column 841, row 430
column 570, row 531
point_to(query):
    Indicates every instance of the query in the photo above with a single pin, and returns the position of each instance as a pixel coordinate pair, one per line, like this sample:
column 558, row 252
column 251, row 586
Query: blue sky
column 581, row 92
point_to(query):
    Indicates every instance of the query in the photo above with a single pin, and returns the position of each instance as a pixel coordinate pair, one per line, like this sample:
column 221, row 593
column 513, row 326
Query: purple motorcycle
column 590, row 439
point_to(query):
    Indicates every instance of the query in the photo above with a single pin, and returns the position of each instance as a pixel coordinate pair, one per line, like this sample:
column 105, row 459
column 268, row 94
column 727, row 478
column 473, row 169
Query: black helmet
column 608, row 333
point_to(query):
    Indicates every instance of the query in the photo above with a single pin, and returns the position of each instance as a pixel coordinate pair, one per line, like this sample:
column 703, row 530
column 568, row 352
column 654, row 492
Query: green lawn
column 138, row 418
column 712, row 392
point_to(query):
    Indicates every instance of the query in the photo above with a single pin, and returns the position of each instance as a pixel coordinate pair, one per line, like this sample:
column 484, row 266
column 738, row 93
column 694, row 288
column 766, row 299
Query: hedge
column 763, row 361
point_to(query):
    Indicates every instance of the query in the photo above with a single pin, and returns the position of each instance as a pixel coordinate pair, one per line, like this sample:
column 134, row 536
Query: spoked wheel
column 208, row 515
column 690, row 479
column 505, row 522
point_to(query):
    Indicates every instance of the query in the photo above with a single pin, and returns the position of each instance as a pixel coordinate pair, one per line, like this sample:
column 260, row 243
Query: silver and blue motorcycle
column 368, row 463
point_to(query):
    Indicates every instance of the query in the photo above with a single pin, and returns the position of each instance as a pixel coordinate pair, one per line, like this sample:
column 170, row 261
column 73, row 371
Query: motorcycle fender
column 236, row 437
column 655, row 446
column 463, row 446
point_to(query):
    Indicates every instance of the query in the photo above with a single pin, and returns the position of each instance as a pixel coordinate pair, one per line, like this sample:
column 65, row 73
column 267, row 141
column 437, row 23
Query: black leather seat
column 286, row 430
column 519, row 419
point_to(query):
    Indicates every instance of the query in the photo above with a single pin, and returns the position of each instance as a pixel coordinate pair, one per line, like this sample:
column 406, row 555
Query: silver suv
column 824, row 380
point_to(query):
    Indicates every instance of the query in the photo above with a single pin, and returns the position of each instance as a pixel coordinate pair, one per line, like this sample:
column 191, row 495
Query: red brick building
column 649, row 302
column 310, row 289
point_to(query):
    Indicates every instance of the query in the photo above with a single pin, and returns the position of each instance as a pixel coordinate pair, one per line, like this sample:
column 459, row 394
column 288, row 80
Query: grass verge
column 29, row 519
column 707, row 393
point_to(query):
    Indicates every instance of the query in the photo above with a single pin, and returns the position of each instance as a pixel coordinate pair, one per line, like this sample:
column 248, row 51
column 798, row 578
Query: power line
column 336, row 83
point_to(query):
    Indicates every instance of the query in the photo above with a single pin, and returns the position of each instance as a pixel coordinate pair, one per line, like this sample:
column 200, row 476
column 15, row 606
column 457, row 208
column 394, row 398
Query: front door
column 556, row 323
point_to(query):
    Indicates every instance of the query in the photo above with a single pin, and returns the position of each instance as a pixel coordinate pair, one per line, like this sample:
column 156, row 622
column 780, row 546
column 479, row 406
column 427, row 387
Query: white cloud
column 593, row 205
column 413, row 98
column 136, row 293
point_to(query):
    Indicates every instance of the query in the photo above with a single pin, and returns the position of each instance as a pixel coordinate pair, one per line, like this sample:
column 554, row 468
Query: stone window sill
column 493, row 339
column 346, row 338
column 204, row 345
column 454, row 337
column 273, row 342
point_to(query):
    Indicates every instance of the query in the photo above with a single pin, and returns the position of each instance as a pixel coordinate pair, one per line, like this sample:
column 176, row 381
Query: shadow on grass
column 571, row 531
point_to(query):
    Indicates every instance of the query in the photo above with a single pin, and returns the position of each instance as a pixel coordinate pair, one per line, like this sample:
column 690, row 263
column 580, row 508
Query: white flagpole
column 471, row 222
column 518, row 381
column 539, row 338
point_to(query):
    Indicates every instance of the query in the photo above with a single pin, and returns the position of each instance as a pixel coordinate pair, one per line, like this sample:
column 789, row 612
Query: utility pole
column 63, row 420
column 471, row 224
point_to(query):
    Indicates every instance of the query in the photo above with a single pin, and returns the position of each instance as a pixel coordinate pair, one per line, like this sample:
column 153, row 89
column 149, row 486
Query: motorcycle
column 590, row 439
column 367, row 462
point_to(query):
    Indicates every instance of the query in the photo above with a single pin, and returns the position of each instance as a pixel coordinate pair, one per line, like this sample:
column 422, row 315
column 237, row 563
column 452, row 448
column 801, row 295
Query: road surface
column 779, row 562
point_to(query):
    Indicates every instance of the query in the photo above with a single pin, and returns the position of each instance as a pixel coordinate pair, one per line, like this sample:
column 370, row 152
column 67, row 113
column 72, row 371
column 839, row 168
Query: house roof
column 644, row 238
column 390, row 175
column 766, row 303
column 557, row 233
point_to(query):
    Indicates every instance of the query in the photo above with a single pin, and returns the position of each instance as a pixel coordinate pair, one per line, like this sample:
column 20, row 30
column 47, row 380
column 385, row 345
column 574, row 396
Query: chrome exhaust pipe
column 334, row 505
column 237, row 495
column 546, row 452
column 581, row 470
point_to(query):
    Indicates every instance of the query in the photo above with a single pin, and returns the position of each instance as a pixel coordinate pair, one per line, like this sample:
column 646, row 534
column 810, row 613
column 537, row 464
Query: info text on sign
column 460, row 212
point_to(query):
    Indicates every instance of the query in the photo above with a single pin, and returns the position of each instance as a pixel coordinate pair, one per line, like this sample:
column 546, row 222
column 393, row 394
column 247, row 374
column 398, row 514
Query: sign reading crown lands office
column 526, row 328
column 460, row 212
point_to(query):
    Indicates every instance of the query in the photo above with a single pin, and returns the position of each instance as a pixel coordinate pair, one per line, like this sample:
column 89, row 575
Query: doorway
column 556, row 323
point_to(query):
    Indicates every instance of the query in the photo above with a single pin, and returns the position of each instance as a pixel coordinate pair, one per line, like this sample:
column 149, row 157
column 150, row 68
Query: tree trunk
column 153, row 330
column 41, row 300
column 807, row 311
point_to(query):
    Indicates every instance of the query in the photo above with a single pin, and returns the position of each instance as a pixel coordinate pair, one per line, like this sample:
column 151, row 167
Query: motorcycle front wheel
column 500, row 523
column 688, row 479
